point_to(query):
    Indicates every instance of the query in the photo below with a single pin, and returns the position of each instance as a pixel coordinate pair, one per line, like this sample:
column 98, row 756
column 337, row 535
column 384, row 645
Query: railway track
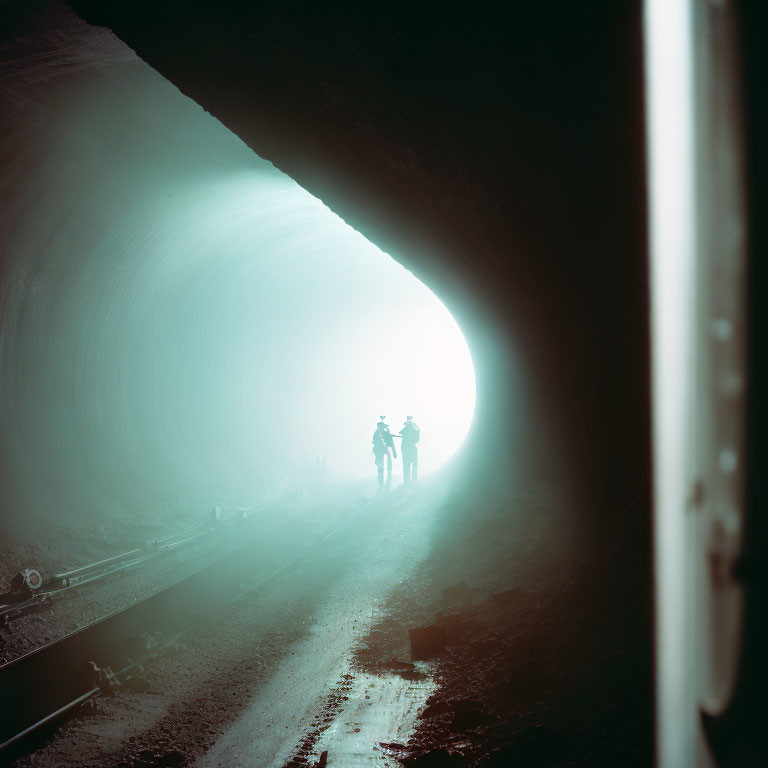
column 37, row 592
column 43, row 685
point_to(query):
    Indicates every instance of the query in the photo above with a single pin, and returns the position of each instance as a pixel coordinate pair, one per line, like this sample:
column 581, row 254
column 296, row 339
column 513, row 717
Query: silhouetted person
column 410, row 434
column 383, row 446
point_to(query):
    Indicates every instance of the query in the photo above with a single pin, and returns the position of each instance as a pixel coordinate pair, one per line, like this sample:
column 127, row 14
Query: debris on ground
column 554, row 671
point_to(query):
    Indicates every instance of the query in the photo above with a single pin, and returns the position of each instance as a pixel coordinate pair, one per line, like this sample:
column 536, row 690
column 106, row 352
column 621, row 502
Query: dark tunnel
column 529, row 225
column 198, row 308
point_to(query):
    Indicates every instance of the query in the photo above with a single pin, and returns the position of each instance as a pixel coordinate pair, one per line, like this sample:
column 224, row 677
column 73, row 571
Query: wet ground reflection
column 379, row 714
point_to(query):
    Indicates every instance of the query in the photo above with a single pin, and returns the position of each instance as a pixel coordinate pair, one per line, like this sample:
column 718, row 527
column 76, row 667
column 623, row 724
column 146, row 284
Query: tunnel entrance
column 197, row 325
column 295, row 334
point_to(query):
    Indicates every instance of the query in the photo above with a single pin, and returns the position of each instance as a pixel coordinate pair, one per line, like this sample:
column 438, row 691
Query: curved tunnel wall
column 180, row 321
column 505, row 170
column 497, row 152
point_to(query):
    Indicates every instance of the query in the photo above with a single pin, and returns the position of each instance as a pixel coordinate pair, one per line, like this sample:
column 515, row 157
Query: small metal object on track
column 32, row 578
column 24, row 585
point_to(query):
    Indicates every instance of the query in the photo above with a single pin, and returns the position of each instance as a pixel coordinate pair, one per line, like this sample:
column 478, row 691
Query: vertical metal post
column 668, row 30
column 697, row 267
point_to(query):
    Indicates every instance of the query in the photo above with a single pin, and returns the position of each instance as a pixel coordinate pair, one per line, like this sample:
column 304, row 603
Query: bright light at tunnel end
column 366, row 337
column 435, row 383
column 240, row 329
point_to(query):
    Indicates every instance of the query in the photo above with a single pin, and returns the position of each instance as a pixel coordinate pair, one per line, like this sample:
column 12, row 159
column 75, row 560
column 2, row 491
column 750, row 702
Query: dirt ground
column 177, row 705
column 547, row 660
column 196, row 687
column 555, row 672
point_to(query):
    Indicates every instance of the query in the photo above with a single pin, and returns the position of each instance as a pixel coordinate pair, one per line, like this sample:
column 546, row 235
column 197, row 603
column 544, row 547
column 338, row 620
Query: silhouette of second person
column 410, row 434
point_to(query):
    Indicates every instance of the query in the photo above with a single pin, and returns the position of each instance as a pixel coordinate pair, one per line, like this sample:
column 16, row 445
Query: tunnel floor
column 353, row 571
column 245, row 689
column 314, row 664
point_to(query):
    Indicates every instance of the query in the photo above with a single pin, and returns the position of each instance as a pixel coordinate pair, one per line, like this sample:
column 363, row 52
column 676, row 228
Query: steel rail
column 192, row 581
column 153, row 543
column 20, row 607
column 75, row 571
column 78, row 577
column 120, row 676
column 122, row 566
column 102, row 574
column 49, row 718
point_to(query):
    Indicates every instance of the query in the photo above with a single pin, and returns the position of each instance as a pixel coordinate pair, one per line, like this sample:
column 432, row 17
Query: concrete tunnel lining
column 61, row 147
column 532, row 235
column 495, row 155
column 158, row 240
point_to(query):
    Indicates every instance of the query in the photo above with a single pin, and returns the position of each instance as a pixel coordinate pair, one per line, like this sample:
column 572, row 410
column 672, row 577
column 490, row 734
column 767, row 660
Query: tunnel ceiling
column 495, row 150
column 505, row 140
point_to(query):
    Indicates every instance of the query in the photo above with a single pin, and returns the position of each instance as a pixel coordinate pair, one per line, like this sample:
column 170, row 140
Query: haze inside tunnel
column 181, row 318
column 305, row 332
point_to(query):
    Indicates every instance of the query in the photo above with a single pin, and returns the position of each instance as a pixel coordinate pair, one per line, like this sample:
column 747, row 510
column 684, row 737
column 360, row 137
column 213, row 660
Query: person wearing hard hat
column 383, row 449
column 410, row 434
